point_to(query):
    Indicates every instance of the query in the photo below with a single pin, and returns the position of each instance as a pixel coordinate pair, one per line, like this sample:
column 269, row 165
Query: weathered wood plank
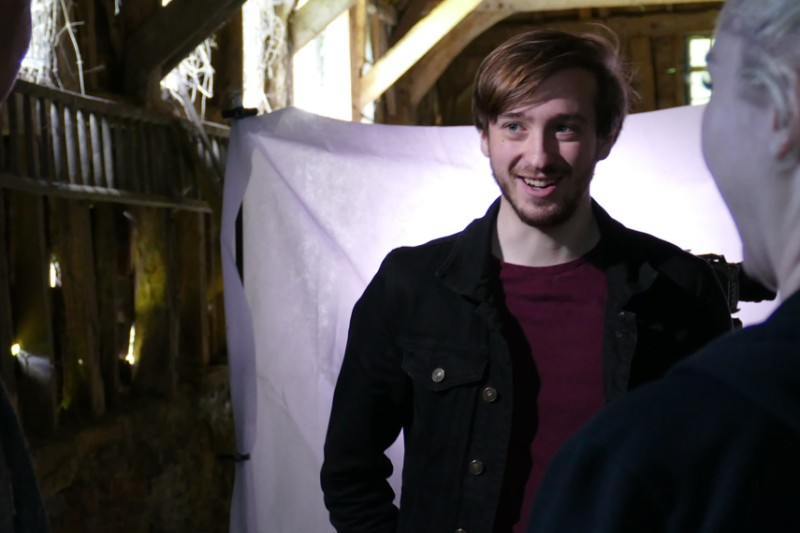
column 58, row 143
column 30, row 140
column 193, row 284
column 71, row 146
column 98, row 194
column 84, row 150
column 108, row 298
column 45, row 139
column 358, row 42
column 13, row 133
column 154, row 304
column 108, row 152
column 82, row 390
column 97, row 151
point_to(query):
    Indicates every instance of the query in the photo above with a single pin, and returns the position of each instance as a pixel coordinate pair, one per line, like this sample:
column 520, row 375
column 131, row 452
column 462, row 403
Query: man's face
column 735, row 148
column 543, row 153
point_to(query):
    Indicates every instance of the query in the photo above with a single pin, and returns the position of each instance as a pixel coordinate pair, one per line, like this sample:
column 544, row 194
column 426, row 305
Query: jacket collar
column 470, row 270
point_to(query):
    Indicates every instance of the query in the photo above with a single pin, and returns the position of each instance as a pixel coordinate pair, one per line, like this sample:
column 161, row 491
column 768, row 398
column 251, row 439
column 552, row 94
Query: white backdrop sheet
column 324, row 201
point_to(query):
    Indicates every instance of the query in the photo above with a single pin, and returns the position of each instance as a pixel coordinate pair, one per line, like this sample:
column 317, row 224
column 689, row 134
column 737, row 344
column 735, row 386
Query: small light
column 131, row 339
column 80, row 361
column 15, row 349
column 55, row 273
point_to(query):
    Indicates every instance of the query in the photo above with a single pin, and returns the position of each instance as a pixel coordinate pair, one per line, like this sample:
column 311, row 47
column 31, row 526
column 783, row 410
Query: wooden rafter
column 170, row 34
column 415, row 44
column 425, row 73
column 522, row 6
column 309, row 21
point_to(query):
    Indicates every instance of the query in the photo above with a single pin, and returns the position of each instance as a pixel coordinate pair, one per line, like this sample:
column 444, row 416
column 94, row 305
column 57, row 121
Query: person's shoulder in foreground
column 707, row 448
column 715, row 445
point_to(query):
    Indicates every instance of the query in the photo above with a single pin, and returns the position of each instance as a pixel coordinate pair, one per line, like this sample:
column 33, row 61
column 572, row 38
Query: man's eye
column 565, row 128
column 513, row 127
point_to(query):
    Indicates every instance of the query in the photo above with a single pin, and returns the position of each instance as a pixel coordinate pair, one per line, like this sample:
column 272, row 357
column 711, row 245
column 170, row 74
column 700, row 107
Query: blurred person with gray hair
column 21, row 506
column 715, row 445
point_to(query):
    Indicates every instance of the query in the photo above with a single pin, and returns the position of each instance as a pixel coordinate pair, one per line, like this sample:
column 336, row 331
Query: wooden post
column 214, row 296
column 108, row 299
column 155, row 307
column 358, row 40
column 194, row 319
column 82, row 390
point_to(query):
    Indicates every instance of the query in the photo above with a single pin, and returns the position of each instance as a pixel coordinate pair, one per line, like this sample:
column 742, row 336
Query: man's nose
column 540, row 150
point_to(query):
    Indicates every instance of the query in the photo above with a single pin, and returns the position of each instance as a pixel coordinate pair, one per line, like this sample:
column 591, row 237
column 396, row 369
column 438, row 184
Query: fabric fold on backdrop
column 322, row 202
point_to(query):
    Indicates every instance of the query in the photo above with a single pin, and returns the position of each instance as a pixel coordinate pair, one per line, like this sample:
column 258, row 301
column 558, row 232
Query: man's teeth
column 537, row 183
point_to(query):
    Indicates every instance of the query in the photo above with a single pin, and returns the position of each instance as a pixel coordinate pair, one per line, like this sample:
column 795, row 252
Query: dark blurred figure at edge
column 714, row 446
column 21, row 506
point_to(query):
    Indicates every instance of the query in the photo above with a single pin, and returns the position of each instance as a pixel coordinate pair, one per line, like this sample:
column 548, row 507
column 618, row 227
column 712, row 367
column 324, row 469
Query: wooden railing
column 61, row 143
column 124, row 203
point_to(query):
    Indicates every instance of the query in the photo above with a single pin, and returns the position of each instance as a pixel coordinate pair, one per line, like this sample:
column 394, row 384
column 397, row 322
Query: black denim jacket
column 426, row 354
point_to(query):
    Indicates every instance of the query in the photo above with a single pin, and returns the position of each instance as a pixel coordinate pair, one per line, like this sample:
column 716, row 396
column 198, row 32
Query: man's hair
column 510, row 75
column 770, row 62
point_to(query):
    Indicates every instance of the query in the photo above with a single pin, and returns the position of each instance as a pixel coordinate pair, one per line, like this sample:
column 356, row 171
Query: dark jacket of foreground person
column 427, row 354
column 708, row 448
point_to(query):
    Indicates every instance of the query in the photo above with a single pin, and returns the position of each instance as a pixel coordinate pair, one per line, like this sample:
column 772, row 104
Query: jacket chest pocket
column 440, row 369
column 445, row 384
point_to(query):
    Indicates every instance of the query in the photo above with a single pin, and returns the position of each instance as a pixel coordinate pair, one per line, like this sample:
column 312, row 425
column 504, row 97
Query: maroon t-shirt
column 554, row 324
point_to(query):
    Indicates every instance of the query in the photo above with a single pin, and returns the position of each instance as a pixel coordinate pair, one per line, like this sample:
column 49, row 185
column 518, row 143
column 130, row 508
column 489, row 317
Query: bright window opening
column 322, row 72
column 699, row 82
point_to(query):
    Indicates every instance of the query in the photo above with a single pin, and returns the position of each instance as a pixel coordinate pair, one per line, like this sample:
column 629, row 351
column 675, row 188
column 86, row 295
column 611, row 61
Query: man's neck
column 519, row 243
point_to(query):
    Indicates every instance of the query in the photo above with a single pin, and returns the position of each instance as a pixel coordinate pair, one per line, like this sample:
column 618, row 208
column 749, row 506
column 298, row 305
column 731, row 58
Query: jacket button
column 620, row 333
column 438, row 375
column 489, row 394
column 460, row 530
column 476, row 467
column 621, row 315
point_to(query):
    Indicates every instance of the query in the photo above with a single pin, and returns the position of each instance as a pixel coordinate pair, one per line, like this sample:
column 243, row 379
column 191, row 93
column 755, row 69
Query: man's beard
column 558, row 213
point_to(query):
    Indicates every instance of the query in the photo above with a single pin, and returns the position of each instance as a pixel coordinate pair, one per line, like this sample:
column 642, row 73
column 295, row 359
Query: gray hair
column 770, row 63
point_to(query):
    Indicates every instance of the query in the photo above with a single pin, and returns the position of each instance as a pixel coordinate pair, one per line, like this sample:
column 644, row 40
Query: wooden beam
column 522, row 6
column 311, row 19
column 425, row 73
column 170, row 34
column 358, row 43
column 413, row 12
column 408, row 50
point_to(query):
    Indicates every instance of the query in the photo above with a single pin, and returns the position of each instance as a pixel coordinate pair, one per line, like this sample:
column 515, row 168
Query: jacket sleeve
column 367, row 414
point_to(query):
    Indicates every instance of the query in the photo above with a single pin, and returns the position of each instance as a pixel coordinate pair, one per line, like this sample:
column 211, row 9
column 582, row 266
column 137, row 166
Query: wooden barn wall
column 652, row 42
column 126, row 202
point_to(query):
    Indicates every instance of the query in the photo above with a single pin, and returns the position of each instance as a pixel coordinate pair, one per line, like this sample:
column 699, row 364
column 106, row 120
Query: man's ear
column 604, row 146
column 485, row 142
column 786, row 136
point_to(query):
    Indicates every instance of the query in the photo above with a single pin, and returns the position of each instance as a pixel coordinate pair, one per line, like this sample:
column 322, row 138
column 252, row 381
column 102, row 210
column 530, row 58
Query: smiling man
column 490, row 347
